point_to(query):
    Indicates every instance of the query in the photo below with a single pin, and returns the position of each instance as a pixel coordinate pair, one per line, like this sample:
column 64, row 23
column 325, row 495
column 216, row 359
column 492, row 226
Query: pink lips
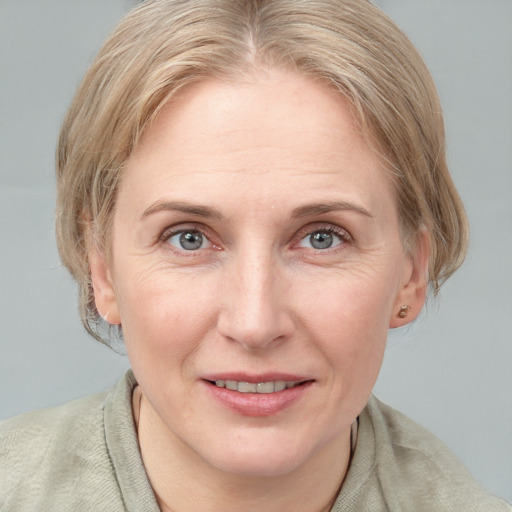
column 256, row 404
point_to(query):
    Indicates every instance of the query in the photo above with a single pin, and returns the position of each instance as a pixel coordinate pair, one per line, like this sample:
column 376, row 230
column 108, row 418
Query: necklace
column 136, row 405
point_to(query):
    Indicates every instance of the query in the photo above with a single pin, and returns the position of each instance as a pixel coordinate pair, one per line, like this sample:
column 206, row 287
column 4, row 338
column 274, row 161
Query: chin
column 259, row 465
column 268, row 458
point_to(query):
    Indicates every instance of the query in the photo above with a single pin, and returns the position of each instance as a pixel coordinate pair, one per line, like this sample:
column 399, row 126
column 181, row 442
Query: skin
column 257, row 297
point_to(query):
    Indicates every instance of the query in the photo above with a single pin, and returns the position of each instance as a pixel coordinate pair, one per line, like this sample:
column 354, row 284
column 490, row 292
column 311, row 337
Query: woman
column 256, row 192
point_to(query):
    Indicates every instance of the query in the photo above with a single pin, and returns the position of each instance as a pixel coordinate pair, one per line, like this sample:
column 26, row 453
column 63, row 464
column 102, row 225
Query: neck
column 177, row 473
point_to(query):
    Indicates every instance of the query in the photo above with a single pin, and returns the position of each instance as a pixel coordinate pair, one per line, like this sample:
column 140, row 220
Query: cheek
column 164, row 313
column 354, row 301
column 349, row 319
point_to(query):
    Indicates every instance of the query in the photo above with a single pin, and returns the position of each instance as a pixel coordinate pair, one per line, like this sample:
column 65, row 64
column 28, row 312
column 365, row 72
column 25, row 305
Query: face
column 256, row 266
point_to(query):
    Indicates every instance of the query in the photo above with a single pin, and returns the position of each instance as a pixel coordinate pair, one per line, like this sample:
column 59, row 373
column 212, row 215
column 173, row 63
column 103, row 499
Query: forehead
column 278, row 135
column 290, row 104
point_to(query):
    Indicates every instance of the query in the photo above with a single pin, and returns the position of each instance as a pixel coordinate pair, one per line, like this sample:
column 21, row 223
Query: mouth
column 268, row 387
column 257, row 396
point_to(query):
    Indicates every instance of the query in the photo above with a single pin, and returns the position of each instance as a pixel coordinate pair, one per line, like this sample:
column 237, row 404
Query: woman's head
column 164, row 46
column 256, row 243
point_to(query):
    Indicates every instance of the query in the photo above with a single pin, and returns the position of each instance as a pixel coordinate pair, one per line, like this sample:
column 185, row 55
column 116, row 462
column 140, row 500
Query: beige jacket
column 84, row 456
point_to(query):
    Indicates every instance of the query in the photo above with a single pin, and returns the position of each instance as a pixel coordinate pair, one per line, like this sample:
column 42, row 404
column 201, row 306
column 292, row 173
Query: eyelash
column 339, row 232
column 170, row 232
column 302, row 234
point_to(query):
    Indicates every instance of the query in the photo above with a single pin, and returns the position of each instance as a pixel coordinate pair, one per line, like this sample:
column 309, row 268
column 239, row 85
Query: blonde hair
column 164, row 45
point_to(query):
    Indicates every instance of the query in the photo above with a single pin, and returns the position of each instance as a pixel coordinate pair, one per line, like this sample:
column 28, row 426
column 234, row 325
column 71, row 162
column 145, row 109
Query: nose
column 254, row 309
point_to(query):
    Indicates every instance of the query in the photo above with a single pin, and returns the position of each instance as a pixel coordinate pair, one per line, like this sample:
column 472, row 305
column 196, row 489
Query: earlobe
column 104, row 293
column 411, row 297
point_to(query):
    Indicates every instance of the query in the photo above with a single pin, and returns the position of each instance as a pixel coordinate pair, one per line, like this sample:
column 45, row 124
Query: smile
column 259, row 387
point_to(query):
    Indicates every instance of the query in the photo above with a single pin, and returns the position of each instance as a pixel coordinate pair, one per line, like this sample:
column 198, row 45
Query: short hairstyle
column 164, row 45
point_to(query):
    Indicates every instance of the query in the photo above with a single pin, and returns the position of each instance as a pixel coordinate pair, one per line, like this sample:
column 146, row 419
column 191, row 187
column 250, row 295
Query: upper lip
column 255, row 378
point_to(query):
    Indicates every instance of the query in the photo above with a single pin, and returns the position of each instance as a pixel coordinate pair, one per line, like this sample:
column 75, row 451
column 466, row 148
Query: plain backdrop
column 451, row 371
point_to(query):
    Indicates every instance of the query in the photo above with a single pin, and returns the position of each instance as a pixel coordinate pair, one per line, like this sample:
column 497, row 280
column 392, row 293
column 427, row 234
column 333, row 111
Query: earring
column 403, row 311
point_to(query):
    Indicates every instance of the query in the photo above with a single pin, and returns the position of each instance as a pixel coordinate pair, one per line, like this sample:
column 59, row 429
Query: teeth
column 260, row 387
column 281, row 384
column 231, row 384
column 265, row 387
column 247, row 387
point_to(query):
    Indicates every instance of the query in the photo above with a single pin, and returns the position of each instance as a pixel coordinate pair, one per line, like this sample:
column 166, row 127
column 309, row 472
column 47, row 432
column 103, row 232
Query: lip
column 255, row 404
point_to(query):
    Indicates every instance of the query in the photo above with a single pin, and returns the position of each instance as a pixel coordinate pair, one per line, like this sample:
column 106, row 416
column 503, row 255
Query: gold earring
column 403, row 311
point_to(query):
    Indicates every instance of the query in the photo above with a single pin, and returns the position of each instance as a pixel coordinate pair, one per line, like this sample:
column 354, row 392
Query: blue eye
column 189, row 240
column 321, row 239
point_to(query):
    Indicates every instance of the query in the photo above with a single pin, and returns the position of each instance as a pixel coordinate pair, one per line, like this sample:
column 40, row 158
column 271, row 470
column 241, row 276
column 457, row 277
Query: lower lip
column 258, row 404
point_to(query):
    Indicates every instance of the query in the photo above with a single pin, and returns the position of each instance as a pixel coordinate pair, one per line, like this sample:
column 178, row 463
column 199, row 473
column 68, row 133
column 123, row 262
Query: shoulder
column 44, row 420
column 29, row 436
column 419, row 470
column 52, row 451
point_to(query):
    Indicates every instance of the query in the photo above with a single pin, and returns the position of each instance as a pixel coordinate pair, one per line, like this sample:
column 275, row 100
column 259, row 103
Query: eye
column 322, row 239
column 189, row 240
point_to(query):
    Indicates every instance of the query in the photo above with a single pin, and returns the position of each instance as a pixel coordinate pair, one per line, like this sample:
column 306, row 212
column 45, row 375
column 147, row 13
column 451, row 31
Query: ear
column 104, row 293
column 412, row 294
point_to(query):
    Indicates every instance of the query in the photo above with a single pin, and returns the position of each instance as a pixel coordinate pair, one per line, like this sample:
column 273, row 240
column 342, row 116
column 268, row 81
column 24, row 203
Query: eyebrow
column 208, row 212
column 319, row 208
column 178, row 206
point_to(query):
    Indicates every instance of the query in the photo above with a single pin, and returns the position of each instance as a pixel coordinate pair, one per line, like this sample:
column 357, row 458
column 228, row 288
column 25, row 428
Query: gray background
column 450, row 371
